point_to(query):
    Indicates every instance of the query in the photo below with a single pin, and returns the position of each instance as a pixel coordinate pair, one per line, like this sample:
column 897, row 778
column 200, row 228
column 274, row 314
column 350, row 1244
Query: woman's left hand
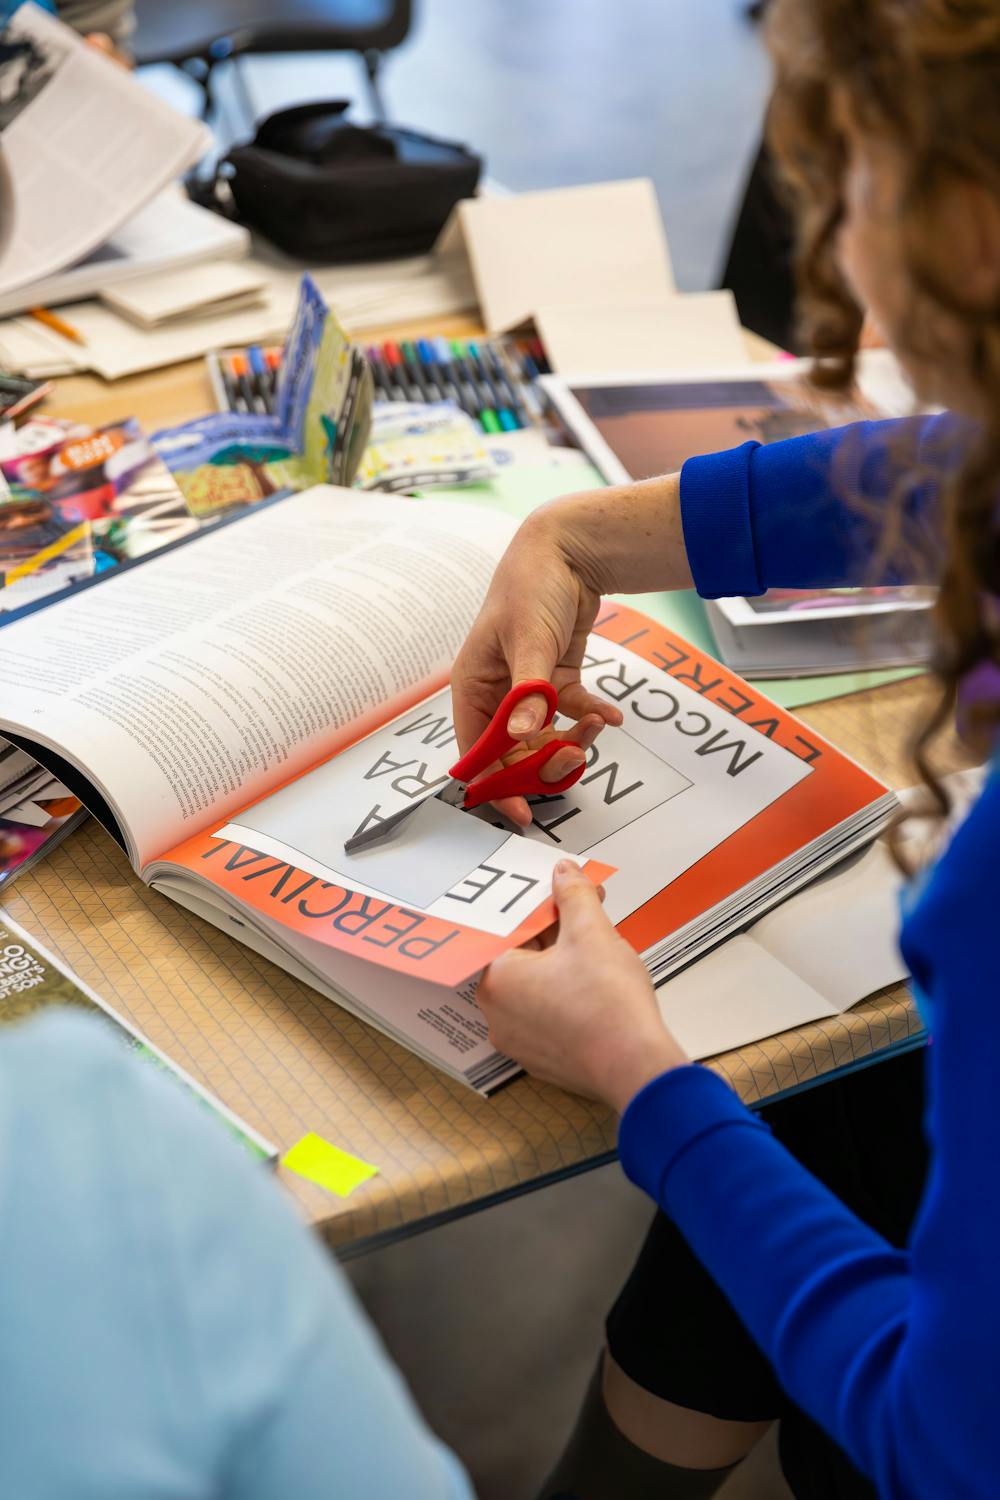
column 578, row 1008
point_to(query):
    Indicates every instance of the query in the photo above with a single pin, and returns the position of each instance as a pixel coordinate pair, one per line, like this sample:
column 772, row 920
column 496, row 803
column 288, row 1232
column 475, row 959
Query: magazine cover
column 77, row 501
column 36, row 812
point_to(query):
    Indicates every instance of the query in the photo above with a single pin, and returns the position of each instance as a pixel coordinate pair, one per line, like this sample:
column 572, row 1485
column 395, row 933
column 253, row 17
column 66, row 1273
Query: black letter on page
column 735, row 766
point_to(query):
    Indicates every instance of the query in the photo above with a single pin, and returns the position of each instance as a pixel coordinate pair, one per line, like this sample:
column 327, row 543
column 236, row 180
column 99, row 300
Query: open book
column 238, row 707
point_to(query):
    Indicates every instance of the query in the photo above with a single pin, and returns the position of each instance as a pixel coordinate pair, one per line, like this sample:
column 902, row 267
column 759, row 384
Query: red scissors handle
column 522, row 779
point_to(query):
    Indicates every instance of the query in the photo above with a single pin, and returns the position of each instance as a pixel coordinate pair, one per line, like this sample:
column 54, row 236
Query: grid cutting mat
column 289, row 1061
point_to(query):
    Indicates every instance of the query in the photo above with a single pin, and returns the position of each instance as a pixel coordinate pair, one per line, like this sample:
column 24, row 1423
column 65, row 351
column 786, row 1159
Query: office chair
column 196, row 35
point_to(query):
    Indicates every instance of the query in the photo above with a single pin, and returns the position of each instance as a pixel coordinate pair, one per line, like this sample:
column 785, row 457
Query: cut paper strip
column 338, row 1171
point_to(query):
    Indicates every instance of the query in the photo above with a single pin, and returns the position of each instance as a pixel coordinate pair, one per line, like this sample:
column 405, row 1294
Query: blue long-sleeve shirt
column 895, row 1352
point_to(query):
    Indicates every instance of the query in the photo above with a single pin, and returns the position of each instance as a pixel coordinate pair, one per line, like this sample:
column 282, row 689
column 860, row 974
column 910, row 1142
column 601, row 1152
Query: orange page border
column 835, row 789
column 370, row 927
column 410, row 942
column 447, row 953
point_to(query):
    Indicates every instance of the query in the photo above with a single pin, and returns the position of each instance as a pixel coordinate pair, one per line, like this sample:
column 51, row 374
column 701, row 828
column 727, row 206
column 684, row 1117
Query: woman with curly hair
column 762, row 1293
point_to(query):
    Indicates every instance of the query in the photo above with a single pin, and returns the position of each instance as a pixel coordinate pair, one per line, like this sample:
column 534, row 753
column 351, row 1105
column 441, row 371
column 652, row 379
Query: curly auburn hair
column 924, row 76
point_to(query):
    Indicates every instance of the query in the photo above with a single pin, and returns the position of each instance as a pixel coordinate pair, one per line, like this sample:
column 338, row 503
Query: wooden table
column 290, row 1062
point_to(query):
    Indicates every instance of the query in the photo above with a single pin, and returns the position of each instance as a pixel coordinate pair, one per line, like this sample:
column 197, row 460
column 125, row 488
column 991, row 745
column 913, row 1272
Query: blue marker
column 439, row 372
column 263, row 376
column 424, row 354
column 465, row 394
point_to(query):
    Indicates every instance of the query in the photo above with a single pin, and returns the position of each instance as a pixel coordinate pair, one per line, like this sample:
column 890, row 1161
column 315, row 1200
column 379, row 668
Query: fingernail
column 521, row 722
column 589, row 735
column 528, row 716
column 564, row 867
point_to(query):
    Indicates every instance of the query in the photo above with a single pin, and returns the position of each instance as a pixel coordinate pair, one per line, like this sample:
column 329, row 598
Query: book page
column 841, row 934
column 735, row 995
column 212, row 674
column 677, row 781
column 657, row 795
column 701, row 792
column 86, row 143
column 441, row 1023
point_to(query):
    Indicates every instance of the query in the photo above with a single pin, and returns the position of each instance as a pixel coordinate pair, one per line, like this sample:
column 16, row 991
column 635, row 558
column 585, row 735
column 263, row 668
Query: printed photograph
column 78, row 502
column 652, row 428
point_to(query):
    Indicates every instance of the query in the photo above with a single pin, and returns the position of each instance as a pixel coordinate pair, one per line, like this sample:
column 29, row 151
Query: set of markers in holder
column 492, row 380
column 244, row 380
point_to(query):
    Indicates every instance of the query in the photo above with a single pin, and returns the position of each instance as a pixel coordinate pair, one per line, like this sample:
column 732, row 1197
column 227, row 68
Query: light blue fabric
column 168, row 1328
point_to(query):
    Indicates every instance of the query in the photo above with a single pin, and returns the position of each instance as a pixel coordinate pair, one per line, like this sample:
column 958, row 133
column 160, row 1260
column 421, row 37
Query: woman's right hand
column 543, row 601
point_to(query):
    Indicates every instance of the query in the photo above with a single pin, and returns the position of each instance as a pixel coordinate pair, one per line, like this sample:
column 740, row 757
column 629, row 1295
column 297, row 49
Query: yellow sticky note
column 338, row 1171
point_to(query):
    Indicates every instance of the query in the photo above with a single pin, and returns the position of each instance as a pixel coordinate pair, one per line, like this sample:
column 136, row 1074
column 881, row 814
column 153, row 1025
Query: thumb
column 530, row 660
column 576, row 898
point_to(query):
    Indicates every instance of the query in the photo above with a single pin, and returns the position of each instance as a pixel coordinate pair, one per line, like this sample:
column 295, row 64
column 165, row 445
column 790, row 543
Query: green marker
column 488, row 418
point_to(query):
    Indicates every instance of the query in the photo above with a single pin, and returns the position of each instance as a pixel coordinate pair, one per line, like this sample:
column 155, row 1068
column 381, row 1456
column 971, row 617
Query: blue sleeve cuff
column 715, row 515
column 810, row 511
column 668, row 1116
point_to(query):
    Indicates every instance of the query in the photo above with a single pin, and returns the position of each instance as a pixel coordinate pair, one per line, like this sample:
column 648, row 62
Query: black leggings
column 674, row 1333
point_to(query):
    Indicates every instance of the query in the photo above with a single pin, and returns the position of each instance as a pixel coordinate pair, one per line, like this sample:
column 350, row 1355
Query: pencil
column 57, row 324
column 27, row 401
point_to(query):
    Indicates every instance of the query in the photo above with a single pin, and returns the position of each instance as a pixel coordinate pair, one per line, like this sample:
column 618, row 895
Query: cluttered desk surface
column 196, row 372
column 291, row 1064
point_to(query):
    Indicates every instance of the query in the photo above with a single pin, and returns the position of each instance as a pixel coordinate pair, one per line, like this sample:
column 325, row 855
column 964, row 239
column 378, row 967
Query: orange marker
column 240, row 372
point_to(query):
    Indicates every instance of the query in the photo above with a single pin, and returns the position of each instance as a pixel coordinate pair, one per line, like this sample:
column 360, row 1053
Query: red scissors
column 522, row 779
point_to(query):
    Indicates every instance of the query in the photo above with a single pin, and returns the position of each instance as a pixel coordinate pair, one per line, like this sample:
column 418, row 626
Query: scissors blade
column 375, row 832
column 381, row 828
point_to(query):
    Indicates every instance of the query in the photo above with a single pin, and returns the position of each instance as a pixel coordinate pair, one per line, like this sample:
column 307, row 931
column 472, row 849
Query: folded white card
column 193, row 291
column 603, row 242
column 693, row 331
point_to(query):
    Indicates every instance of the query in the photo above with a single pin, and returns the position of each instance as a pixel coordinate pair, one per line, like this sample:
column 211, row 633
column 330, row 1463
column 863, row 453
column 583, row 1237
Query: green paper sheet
column 522, row 488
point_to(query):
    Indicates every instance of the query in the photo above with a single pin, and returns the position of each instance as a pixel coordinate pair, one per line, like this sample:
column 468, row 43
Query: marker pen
column 497, row 398
column 240, row 371
column 394, row 360
column 382, row 391
column 468, row 396
column 488, row 417
column 502, row 377
column 260, row 377
column 416, row 372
